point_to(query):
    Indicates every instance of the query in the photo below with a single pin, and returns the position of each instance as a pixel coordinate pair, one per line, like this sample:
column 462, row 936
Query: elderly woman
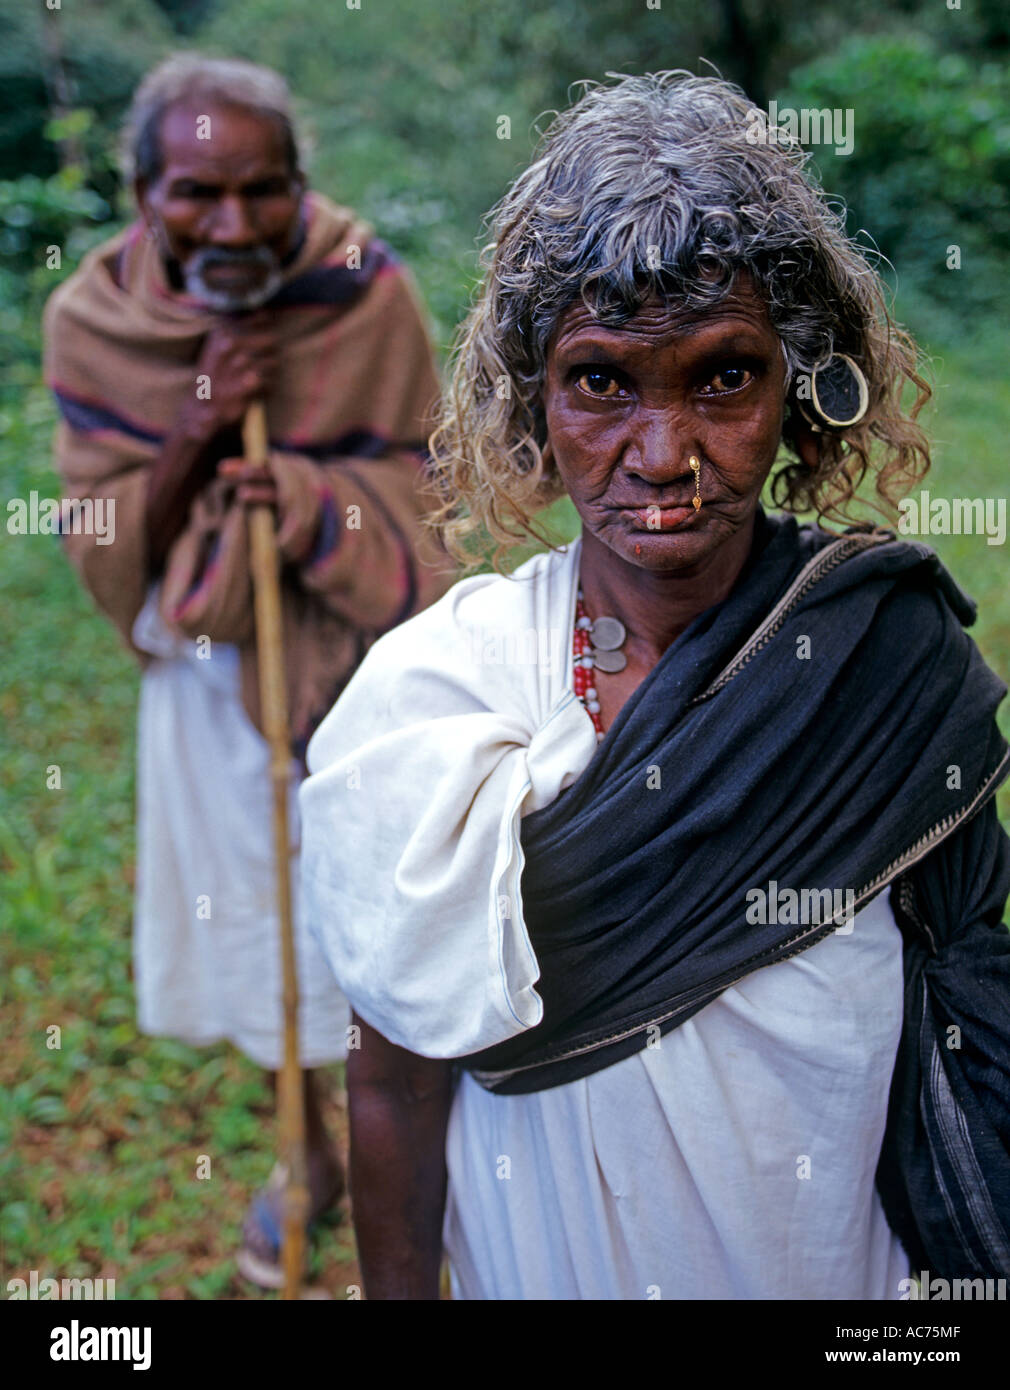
column 664, row 876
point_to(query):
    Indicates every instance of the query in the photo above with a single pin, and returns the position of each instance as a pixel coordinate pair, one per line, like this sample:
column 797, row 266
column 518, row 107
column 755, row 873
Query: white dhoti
column 206, row 931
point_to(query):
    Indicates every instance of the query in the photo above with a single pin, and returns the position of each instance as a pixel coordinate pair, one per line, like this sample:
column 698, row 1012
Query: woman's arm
column 399, row 1109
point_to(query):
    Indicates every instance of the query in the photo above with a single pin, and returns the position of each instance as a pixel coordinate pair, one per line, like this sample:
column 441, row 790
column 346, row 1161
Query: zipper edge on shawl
column 909, row 857
column 822, row 563
column 825, row 560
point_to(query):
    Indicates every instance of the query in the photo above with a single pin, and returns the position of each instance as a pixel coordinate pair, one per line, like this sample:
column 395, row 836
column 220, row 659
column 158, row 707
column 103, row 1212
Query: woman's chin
column 683, row 539
column 670, row 549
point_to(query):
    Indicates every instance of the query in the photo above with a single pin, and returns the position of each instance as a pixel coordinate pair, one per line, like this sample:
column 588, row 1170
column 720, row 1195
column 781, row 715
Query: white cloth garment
column 736, row 1159
column 206, row 934
column 451, row 729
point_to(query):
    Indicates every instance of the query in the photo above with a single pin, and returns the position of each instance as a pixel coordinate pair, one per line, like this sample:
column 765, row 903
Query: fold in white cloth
column 456, row 724
column 734, row 1160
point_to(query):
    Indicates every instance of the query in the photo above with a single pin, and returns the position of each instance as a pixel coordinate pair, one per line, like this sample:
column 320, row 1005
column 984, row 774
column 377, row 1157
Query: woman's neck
column 656, row 606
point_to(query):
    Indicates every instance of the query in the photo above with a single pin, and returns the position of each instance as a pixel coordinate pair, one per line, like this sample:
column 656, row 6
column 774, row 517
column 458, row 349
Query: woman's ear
column 806, row 441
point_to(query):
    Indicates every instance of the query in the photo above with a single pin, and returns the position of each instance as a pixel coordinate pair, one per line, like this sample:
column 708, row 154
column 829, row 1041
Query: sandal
column 268, row 1272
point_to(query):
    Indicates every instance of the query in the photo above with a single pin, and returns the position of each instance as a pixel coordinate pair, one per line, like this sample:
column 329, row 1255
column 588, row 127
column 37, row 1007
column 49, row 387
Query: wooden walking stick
column 274, row 717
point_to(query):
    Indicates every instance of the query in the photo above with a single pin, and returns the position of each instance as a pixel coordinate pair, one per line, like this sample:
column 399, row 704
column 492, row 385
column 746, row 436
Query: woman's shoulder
column 481, row 615
column 922, row 593
column 491, row 644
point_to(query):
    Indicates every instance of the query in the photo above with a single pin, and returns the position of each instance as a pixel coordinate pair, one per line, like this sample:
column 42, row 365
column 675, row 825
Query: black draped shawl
column 828, row 726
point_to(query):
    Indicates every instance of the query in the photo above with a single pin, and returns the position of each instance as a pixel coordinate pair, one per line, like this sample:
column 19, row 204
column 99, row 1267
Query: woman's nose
column 661, row 443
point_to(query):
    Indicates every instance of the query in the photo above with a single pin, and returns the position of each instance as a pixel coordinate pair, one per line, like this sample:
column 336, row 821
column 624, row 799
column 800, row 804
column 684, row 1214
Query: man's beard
column 227, row 301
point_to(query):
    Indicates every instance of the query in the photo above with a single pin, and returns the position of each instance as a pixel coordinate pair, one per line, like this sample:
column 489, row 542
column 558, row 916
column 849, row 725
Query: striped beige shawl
column 348, row 421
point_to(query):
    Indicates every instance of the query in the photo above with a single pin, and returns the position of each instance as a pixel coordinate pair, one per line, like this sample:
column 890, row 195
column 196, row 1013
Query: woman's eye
column 728, row 379
column 600, row 384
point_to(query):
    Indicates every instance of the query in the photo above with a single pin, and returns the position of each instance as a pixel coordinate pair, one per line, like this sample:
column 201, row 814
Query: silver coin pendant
column 609, row 660
column 607, row 634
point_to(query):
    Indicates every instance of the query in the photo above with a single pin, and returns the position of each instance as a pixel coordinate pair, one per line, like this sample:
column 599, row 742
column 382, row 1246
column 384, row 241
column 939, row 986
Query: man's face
column 225, row 208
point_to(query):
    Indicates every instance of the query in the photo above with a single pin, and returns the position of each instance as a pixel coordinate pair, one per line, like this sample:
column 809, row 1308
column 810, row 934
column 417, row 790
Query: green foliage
column 106, row 47
column 406, row 103
column 930, row 168
column 46, row 226
column 186, row 16
column 59, row 211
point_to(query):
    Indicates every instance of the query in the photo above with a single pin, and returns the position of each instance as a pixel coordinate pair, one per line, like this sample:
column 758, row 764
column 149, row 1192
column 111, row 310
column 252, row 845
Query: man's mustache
column 203, row 263
column 211, row 257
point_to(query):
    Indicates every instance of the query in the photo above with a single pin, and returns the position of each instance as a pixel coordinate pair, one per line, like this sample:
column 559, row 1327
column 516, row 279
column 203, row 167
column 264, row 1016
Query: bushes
column 931, row 164
column 407, row 116
column 106, row 46
column 46, row 226
column 37, row 214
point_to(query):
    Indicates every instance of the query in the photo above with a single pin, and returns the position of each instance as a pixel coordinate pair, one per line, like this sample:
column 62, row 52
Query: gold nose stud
column 695, row 466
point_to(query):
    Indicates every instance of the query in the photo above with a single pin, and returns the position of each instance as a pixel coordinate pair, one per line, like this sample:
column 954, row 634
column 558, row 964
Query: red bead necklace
column 582, row 666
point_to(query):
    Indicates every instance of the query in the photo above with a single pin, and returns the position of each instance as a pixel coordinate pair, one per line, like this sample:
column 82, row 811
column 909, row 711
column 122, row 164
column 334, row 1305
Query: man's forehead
column 224, row 140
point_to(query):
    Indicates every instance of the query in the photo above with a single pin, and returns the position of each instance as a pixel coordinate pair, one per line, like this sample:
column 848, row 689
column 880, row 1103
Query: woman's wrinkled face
column 628, row 407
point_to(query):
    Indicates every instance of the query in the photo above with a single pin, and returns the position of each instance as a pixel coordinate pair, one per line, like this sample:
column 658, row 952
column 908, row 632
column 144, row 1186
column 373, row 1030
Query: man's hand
column 256, row 485
column 299, row 508
column 240, row 358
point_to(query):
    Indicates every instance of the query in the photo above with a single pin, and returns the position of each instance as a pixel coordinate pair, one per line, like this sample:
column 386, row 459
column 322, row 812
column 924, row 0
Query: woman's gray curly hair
column 669, row 184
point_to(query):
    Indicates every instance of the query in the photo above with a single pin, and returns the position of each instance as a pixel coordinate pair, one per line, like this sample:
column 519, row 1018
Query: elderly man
column 236, row 284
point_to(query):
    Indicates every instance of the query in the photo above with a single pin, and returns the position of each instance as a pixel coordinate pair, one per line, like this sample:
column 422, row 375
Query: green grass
column 100, row 1139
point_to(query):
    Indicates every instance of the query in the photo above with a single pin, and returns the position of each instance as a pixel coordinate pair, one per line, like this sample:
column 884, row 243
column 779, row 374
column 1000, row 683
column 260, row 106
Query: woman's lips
column 661, row 518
